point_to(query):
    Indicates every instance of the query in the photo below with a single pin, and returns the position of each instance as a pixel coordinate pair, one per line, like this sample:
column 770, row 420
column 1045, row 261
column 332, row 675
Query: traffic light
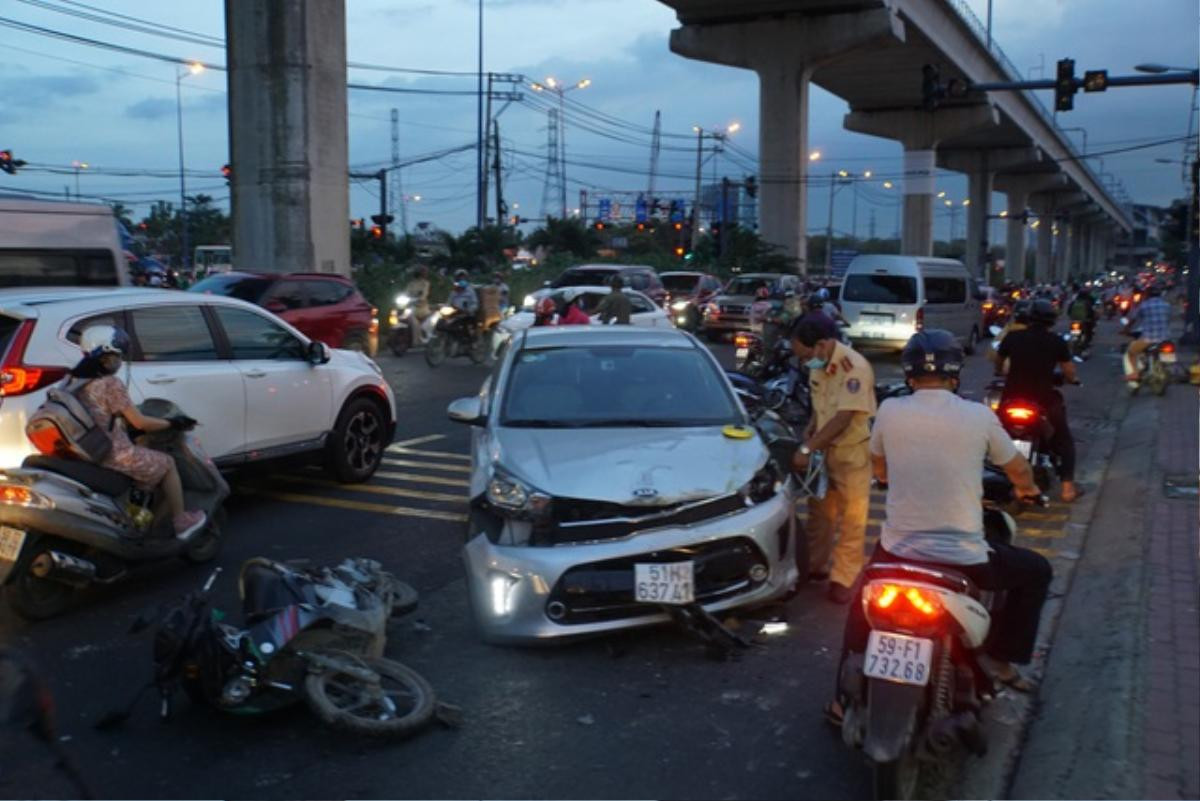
column 382, row 219
column 599, row 225
column 227, row 171
column 9, row 164
column 376, row 232
column 1064, row 85
column 715, row 230
column 680, row 250
column 751, row 186
column 641, row 226
column 931, row 87
column 1095, row 80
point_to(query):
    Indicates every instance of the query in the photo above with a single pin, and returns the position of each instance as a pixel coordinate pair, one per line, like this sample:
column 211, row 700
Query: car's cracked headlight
column 764, row 485
column 513, row 496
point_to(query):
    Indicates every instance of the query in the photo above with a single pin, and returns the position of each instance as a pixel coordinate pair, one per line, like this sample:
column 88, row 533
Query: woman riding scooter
column 107, row 399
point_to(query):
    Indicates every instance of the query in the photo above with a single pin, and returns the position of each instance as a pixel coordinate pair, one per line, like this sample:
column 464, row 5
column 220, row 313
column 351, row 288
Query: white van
column 887, row 298
column 46, row 243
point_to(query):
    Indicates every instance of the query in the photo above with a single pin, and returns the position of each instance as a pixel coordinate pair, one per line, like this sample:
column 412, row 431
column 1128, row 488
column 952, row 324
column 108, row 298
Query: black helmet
column 1043, row 312
column 1022, row 310
column 1153, row 291
column 932, row 351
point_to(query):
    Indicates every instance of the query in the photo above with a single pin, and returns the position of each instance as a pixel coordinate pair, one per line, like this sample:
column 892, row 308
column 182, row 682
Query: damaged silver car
column 615, row 473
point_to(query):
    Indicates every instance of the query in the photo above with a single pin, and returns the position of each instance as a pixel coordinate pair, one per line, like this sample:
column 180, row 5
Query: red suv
column 324, row 307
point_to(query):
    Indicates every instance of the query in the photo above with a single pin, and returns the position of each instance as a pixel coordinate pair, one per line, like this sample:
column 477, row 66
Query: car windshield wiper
column 539, row 424
column 637, row 422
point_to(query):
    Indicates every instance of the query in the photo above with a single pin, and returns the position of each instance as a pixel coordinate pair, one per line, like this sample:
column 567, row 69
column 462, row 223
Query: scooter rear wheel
column 436, row 350
column 899, row 779
column 400, row 341
column 397, row 706
column 35, row 598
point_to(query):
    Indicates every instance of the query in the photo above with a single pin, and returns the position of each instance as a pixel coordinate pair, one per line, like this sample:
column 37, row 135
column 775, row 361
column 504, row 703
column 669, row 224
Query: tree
column 565, row 236
column 122, row 213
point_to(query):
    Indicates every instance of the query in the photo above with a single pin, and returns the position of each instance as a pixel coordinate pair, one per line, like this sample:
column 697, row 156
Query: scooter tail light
column 1076, row 326
column 741, row 341
column 1167, row 347
column 908, row 607
column 1020, row 414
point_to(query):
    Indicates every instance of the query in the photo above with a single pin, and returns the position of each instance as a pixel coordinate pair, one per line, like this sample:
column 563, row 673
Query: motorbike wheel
column 400, row 342
column 206, row 547
column 436, row 350
column 1158, row 379
column 36, row 598
column 899, row 779
column 397, row 705
column 404, row 598
column 972, row 342
column 478, row 352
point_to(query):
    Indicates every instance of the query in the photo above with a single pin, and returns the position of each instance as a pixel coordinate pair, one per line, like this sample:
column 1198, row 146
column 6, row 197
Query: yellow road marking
column 418, row 440
column 453, row 468
column 380, row 489
column 360, row 506
column 434, row 454
column 445, row 482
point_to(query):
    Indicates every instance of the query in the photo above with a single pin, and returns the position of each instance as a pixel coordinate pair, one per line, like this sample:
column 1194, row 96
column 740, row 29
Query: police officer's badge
column 852, row 385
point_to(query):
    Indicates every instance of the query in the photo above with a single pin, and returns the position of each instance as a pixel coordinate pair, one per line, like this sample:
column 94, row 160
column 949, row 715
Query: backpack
column 62, row 426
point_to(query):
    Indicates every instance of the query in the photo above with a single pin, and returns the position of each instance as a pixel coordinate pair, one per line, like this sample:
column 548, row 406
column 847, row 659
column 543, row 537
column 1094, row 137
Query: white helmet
column 98, row 340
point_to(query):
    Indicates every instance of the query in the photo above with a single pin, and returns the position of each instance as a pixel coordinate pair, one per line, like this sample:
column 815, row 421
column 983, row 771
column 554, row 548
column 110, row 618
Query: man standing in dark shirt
column 1032, row 356
column 615, row 306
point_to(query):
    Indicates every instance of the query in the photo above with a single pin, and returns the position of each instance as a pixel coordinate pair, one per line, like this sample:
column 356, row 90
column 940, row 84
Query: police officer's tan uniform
column 846, row 384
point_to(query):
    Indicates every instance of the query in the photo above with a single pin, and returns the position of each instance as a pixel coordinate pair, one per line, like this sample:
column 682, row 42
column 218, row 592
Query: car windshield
column 584, row 278
column 680, row 283
column 249, row 288
column 862, row 288
column 616, row 386
column 749, row 285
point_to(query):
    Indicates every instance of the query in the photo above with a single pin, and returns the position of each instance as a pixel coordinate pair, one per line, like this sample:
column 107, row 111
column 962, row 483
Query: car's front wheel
column 358, row 441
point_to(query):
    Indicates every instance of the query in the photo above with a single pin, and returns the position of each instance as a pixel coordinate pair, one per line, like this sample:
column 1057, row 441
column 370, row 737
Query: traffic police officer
column 843, row 399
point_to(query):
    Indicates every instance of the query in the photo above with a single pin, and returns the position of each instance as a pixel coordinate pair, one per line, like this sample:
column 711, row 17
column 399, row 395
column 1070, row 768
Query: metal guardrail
column 1013, row 74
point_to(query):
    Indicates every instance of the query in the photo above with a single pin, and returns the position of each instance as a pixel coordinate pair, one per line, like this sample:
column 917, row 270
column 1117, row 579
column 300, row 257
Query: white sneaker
column 189, row 523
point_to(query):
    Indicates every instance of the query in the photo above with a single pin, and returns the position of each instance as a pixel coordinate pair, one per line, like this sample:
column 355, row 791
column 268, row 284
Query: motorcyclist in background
column 1083, row 310
column 1151, row 320
column 502, row 287
column 1033, row 356
column 417, row 290
column 821, row 300
column 463, row 296
column 544, row 312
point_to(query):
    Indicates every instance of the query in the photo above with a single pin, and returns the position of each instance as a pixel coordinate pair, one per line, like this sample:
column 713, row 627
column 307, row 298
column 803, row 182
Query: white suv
column 260, row 389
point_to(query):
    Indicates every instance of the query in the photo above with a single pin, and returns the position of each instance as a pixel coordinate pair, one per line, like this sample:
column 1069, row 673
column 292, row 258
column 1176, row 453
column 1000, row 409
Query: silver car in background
column 613, row 470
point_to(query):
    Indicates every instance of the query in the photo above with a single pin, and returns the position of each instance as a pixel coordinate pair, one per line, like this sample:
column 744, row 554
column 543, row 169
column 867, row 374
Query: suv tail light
column 907, row 607
column 18, row 378
column 919, row 319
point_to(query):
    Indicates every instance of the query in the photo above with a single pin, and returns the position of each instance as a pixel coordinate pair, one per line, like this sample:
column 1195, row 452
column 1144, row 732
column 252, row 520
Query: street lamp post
column 78, row 165
column 835, row 181
column 553, row 85
column 195, row 68
column 716, row 136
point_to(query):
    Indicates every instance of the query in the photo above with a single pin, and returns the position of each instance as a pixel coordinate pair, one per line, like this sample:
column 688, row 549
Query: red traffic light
column 227, row 172
column 679, row 251
column 376, row 232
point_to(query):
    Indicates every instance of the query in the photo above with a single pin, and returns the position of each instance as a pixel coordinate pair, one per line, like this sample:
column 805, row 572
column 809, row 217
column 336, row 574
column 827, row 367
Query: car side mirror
column 318, row 353
column 467, row 410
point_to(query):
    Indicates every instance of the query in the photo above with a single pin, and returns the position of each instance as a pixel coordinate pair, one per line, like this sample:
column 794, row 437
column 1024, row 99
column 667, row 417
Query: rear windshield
column 249, row 288
column 57, row 268
column 749, row 285
column 584, row 278
column 901, row 289
column 680, row 283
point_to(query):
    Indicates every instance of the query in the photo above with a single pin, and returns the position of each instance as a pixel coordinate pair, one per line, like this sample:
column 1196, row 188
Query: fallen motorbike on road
column 311, row 634
column 66, row 524
column 915, row 694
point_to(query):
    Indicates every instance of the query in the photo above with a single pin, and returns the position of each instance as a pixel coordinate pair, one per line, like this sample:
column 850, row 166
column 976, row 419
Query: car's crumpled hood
column 610, row 464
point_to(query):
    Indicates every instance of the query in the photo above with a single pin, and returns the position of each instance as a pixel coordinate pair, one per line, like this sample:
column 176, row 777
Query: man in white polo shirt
column 929, row 448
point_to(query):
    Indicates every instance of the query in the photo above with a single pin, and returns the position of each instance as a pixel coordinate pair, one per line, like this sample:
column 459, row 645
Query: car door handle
column 255, row 374
column 160, row 379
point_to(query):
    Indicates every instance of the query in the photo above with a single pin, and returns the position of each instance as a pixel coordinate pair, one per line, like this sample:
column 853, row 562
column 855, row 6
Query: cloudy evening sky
column 62, row 102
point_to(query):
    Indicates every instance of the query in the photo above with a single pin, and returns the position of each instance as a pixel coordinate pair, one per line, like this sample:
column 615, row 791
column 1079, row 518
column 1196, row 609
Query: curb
column 1007, row 719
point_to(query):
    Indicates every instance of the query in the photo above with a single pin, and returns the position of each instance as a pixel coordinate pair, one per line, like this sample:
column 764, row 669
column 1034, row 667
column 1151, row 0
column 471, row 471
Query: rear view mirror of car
column 318, row 353
column 467, row 410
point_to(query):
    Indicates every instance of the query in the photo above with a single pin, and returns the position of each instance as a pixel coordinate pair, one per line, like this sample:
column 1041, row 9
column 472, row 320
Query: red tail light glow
column 17, row 378
column 902, row 606
column 1167, row 347
column 1076, row 326
column 741, row 341
column 1020, row 414
column 988, row 305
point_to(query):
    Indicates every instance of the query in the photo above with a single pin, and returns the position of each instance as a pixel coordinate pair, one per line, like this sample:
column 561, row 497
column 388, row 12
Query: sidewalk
column 1119, row 709
column 1171, row 731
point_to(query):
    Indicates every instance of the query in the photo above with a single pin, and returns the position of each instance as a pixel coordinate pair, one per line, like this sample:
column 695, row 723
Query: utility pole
column 397, row 200
column 480, row 196
column 487, row 140
column 696, row 202
column 723, row 239
column 829, row 230
column 553, row 179
column 1191, row 324
column 501, row 209
column 383, row 203
column 655, row 147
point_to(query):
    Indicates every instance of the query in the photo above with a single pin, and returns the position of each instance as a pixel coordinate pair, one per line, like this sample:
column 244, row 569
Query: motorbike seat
column 93, row 476
column 265, row 590
column 938, row 575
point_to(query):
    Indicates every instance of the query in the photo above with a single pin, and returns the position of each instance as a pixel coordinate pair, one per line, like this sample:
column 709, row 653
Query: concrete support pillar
column 287, row 135
column 1044, row 251
column 783, row 157
column 979, row 192
column 1086, row 249
column 1014, row 241
column 785, row 51
column 920, row 132
column 1062, row 252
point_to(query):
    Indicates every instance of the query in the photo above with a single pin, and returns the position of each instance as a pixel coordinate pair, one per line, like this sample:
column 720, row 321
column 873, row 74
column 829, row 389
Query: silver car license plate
column 664, row 583
column 1024, row 447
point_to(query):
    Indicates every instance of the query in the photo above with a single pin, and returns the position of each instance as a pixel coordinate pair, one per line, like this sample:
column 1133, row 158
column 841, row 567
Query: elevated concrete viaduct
column 871, row 54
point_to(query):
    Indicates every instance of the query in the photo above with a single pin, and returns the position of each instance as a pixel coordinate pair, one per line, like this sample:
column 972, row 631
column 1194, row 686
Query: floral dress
column 105, row 398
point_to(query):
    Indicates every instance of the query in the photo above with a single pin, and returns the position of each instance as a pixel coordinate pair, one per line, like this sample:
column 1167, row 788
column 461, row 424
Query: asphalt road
column 643, row 714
